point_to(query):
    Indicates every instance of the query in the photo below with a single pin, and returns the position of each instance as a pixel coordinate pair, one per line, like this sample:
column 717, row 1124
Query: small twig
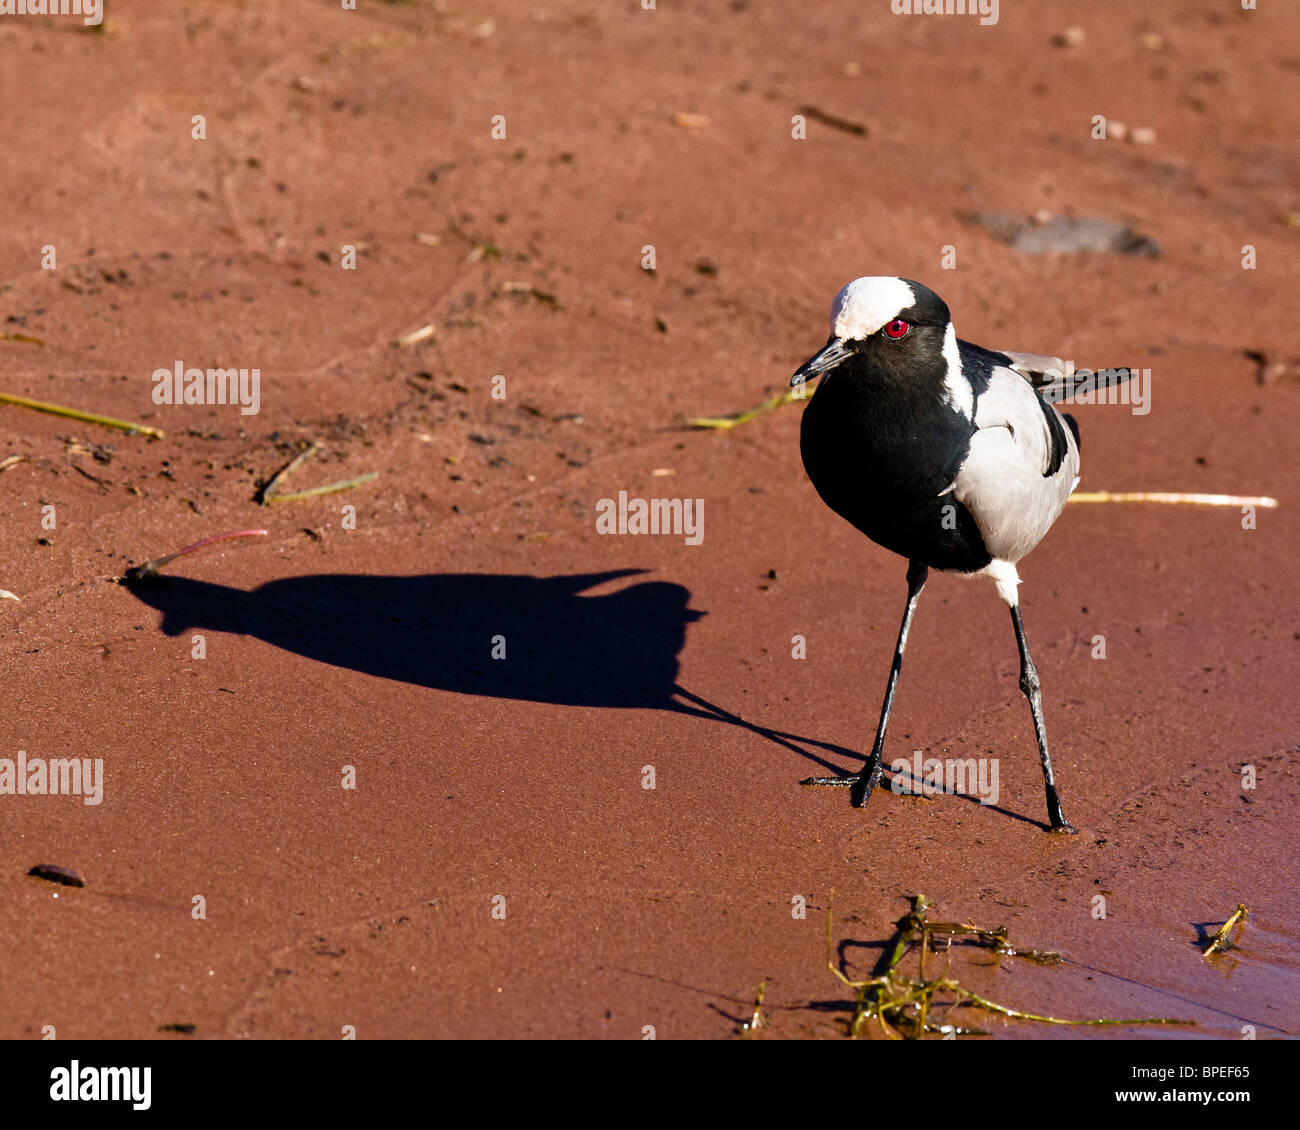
column 416, row 336
column 93, row 478
column 77, row 414
column 542, row 296
column 12, row 461
column 834, row 121
column 1220, row 941
column 6, row 335
column 5, row 594
column 1165, row 496
column 151, row 568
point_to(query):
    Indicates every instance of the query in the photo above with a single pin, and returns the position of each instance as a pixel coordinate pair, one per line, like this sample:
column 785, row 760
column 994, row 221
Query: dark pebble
column 60, row 875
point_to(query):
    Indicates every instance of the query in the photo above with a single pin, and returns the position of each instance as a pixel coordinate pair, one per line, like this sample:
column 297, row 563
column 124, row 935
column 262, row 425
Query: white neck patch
column 866, row 304
column 960, row 393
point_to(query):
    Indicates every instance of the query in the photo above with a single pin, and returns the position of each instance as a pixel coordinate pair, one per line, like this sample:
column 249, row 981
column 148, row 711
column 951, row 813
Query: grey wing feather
column 1056, row 381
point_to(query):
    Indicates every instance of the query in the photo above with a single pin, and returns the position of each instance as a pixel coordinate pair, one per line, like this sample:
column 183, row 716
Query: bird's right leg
column 1029, row 685
column 863, row 782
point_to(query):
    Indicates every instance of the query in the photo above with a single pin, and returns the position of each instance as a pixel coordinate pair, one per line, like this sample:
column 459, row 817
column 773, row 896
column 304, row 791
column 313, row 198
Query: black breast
column 880, row 453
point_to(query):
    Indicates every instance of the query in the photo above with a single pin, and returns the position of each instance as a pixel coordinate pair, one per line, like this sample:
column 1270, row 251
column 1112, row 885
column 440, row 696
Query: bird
column 948, row 454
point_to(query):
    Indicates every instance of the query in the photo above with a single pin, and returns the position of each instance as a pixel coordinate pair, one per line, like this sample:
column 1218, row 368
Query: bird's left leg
column 864, row 782
column 1029, row 685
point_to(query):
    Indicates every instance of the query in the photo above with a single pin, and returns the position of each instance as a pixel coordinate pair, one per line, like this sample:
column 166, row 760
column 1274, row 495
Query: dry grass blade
column 77, row 414
column 738, row 418
column 313, row 492
column 269, row 496
column 288, row 469
column 1175, row 499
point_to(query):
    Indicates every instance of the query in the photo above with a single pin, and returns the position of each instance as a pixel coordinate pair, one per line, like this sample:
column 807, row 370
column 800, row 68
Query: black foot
column 1055, row 817
column 861, row 791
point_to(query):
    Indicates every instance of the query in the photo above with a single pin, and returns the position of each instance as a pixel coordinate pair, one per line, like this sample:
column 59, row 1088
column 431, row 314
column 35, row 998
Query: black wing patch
column 1074, row 429
column 978, row 363
column 1056, row 436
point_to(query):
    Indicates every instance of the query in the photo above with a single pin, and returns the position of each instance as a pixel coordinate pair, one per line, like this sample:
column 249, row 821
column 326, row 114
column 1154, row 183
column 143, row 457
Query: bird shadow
column 906, row 782
column 531, row 639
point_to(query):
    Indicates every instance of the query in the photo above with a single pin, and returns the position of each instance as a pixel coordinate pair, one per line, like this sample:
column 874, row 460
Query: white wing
column 1022, row 466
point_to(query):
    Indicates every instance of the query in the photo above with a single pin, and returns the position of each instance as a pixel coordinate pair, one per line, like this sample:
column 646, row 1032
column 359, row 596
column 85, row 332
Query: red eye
column 897, row 328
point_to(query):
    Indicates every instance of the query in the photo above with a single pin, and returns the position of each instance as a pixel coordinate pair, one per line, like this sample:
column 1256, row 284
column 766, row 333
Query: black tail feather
column 1059, row 387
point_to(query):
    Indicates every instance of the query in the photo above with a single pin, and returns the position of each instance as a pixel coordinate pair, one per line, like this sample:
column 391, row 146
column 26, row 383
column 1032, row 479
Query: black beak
column 830, row 355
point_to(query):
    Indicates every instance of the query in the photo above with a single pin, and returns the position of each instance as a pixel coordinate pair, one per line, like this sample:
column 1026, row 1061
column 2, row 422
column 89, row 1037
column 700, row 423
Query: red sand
column 624, row 907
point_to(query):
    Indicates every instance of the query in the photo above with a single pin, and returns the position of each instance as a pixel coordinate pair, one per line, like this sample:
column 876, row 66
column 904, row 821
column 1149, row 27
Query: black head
column 895, row 326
